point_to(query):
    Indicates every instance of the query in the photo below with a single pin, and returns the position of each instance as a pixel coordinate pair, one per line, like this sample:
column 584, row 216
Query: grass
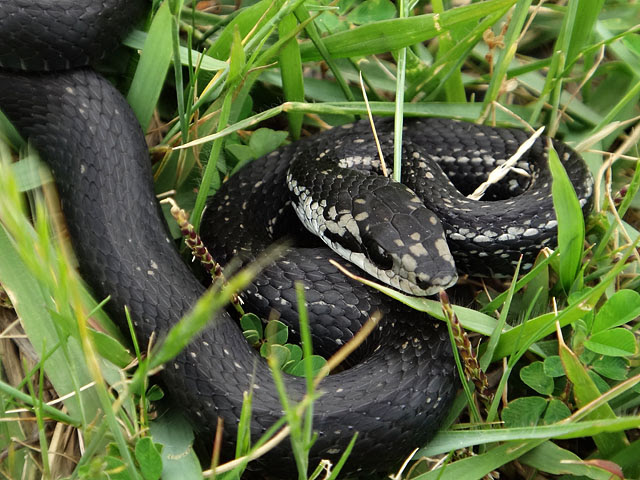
column 561, row 346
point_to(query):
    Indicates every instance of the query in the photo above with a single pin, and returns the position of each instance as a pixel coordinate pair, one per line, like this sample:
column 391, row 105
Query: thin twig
column 383, row 165
column 500, row 171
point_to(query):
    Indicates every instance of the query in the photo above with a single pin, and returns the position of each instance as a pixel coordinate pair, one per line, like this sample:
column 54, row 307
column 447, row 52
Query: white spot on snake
column 398, row 242
column 409, row 263
column 193, row 354
column 481, row 239
column 360, row 201
column 70, row 90
column 443, row 248
column 416, row 235
column 352, row 227
column 530, row 232
column 551, row 224
column 361, row 216
column 418, row 249
column 82, row 169
column 457, row 236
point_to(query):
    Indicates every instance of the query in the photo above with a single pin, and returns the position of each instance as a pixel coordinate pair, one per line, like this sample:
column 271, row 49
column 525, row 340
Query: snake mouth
column 433, row 285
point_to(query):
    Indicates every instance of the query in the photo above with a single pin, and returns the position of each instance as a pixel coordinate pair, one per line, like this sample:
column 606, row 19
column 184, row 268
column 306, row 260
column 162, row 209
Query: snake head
column 389, row 233
column 403, row 242
column 375, row 223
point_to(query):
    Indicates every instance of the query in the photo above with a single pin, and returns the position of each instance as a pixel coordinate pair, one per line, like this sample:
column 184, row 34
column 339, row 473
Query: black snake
column 396, row 393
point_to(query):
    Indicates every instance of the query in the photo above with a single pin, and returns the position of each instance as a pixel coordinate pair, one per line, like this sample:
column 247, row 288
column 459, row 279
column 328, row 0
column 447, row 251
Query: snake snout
column 426, row 256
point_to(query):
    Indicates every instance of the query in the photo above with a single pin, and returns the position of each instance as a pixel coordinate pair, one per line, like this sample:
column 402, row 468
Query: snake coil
column 396, row 394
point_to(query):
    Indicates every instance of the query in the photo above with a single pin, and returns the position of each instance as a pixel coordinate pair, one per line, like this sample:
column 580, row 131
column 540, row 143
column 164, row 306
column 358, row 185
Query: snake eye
column 377, row 254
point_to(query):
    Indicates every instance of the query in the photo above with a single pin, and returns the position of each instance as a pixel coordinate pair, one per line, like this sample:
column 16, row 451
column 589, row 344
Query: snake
column 325, row 190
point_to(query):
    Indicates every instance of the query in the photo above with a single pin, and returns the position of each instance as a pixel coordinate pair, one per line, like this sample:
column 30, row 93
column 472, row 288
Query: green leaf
column 372, row 11
column 534, row 376
column 149, row 459
column 449, row 440
column 175, row 434
column 599, row 382
column 276, row 332
column 291, row 71
column 585, row 391
column 570, row 221
column 265, row 140
column 251, row 321
column 116, row 469
column 553, row 366
column 622, row 307
column 242, row 153
column 614, row 368
column 317, row 363
column 551, row 458
column 616, row 342
column 391, row 35
column 137, row 39
column 295, row 351
column 556, row 411
column 248, row 19
column 279, row 353
column 524, row 412
column 152, row 68
column 155, row 393
column 238, row 60
column 252, row 336
column 111, row 349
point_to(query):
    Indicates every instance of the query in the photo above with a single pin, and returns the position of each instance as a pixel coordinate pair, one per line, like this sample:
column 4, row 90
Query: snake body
column 396, row 393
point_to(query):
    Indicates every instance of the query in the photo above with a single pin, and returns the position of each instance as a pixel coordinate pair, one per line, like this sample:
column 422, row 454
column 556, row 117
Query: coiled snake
column 397, row 392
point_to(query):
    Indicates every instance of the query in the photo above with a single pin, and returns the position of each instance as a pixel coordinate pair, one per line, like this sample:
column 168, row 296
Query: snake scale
column 402, row 379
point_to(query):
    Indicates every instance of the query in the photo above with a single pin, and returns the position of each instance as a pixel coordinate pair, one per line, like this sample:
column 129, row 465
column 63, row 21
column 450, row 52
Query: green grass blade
column 153, row 66
column 391, row 35
column 585, row 391
column 519, row 14
column 291, row 72
column 458, row 439
column 570, row 221
column 137, row 39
